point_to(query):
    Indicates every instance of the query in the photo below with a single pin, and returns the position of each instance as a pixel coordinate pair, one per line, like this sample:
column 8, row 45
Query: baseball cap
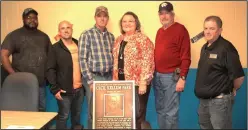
column 167, row 6
column 28, row 11
column 101, row 9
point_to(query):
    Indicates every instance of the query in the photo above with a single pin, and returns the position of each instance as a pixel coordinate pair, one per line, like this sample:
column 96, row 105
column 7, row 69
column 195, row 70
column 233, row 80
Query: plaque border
column 111, row 82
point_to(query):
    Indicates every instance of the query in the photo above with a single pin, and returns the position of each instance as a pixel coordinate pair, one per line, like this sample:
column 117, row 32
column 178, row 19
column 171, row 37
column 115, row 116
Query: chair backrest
column 20, row 92
column 4, row 74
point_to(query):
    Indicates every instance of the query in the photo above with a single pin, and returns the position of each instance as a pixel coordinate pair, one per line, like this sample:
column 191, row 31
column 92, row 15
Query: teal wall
column 188, row 118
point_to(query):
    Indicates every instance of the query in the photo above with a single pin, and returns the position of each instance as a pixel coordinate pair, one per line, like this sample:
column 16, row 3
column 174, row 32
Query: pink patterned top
column 139, row 58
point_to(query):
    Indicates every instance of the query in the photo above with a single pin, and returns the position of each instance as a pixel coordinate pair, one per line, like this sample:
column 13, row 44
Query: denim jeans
column 216, row 113
column 166, row 100
column 90, row 97
column 42, row 98
column 69, row 103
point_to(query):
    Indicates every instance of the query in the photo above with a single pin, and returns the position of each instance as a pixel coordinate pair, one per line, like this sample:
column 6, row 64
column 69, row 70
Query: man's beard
column 30, row 27
column 67, row 38
column 166, row 23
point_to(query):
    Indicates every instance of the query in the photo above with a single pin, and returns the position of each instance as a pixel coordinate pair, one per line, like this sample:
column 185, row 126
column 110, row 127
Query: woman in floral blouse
column 133, row 54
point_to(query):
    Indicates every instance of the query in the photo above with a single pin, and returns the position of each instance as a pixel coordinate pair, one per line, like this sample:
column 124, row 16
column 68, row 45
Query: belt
column 221, row 95
column 103, row 74
column 76, row 90
column 218, row 96
column 73, row 92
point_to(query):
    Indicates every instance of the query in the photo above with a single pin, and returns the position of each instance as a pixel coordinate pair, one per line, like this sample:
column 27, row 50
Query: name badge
column 213, row 56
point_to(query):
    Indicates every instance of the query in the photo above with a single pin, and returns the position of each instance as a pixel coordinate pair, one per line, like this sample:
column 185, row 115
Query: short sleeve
column 233, row 64
column 8, row 44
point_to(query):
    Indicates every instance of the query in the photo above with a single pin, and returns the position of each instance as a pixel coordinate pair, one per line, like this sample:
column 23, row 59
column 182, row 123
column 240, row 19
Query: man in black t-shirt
column 28, row 47
column 219, row 76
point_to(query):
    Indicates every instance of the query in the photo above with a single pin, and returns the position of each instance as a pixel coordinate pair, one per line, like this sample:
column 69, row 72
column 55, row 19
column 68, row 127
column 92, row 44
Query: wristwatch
column 183, row 77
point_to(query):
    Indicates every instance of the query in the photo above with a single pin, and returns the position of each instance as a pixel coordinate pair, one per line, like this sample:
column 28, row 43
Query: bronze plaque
column 113, row 105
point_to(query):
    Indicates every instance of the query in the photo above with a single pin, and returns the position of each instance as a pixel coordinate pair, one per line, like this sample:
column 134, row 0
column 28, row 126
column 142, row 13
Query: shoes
column 78, row 127
column 145, row 125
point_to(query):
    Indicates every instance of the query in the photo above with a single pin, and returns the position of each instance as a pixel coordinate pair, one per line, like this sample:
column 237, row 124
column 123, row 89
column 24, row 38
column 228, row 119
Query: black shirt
column 29, row 49
column 121, row 75
column 218, row 66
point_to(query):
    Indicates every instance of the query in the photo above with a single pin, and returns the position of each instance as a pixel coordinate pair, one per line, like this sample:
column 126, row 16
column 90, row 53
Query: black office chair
column 20, row 92
column 4, row 74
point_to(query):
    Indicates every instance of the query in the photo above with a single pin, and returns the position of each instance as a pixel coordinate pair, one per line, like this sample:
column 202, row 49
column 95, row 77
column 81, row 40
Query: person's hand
column 149, row 80
column 142, row 89
column 11, row 71
column 91, row 87
column 57, row 37
column 58, row 96
column 234, row 91
column 180, row 85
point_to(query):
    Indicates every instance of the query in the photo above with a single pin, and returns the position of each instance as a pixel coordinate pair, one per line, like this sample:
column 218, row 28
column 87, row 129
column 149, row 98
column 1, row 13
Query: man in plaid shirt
column 95, row 55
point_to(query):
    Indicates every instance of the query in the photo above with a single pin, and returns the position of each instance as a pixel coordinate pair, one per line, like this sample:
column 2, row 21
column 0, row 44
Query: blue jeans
column 166, row 100
column 42, row 98
column 216, row 113
column 90, row 97
column 71, row 102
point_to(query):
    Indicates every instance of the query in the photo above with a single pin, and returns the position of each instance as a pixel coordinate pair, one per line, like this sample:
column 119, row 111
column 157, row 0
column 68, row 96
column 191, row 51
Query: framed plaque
column 113, row 105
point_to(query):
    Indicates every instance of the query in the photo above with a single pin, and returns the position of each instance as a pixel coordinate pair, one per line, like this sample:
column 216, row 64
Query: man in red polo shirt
column 172, row 52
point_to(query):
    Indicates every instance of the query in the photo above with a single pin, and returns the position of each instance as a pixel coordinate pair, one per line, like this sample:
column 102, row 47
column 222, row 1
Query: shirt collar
column 63, row 45
column 214, row 44
column 99, row 31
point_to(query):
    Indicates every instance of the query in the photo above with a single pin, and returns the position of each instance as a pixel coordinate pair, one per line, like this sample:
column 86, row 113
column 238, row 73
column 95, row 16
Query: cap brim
column 165, row 10
column 32, row 11
column 101, row 12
